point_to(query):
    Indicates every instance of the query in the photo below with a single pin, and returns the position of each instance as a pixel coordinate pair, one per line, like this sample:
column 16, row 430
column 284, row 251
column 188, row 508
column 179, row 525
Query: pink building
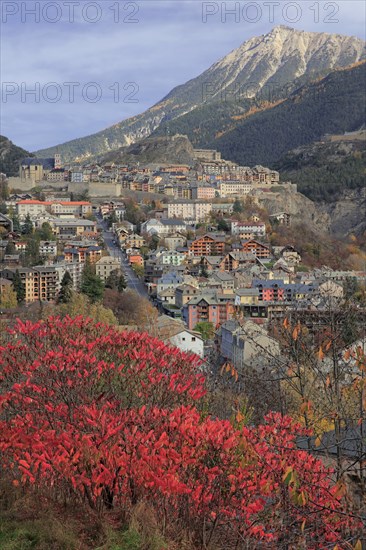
column 203, row 192
column 204, row 308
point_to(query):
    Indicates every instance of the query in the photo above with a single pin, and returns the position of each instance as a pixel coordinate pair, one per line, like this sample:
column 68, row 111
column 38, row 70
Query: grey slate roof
column 351, row 443
column 173, row 221
column 47, row 164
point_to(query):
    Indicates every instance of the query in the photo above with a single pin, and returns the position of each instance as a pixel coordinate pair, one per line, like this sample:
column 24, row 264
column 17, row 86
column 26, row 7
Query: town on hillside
column 183, row 277
column 196, row 241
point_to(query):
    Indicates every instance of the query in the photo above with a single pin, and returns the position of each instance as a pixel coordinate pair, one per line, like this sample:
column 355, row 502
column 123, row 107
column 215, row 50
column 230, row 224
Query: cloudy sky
column 92, row 64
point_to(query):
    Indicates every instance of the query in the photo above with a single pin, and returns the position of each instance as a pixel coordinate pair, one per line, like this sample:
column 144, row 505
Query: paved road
column 132, row 280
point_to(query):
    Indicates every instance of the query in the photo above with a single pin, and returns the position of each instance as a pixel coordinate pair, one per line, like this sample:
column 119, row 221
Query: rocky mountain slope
column 342, row 216
column 260, row 66
column 347, row 214
column 324, row 170
column 10, row 155
column 301, row 208
column 175, row 149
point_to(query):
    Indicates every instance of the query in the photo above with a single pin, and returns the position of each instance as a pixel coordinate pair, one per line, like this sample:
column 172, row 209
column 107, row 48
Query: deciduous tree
column 206, row 328
column 80, row 304
column 131, row 309
column 113, row 419
column 8, row 298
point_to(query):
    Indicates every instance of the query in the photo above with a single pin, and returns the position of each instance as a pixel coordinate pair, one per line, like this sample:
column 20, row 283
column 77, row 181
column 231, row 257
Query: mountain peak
column 277, row 61
column 283, row 28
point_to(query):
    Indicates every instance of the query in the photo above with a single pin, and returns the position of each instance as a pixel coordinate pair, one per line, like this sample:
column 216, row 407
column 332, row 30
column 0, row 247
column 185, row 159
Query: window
column 183, row 339
column 193, row 338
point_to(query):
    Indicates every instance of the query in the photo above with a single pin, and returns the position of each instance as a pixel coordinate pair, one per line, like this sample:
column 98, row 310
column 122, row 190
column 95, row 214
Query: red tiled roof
column 49, row 203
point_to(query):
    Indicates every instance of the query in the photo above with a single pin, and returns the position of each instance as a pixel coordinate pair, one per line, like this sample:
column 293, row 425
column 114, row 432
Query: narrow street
column 133, row 282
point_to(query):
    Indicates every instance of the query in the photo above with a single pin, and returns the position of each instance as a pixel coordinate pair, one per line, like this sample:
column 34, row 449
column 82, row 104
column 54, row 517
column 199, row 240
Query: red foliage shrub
column 110, row 418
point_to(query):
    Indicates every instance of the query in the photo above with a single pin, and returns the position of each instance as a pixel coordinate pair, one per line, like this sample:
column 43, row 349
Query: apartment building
column 33, row 207
column 48, row 248
column 260, row 250
column 163, row 226
column 48, row 283
column 234, row 260
column 81, row 254
column 75, row 269
column 40, row 282
column 172, row 258
column 203, row 192
column 105, row 266
column 67, row 229
column 261, row 174
column 255, row 228
column 134, row 241
column 208, row 245
column 75, row 209
column 29, row 278
column 184, row 293
column 77, row 177
column 246, row 296
column 174, row 241
column 253, row 346
column 189, row 210
column 207, row 308
column 58, row 174
column 228, row 188
column 170, row 280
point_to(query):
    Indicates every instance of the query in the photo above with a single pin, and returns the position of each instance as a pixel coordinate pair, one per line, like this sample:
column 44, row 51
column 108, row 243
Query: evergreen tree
column 46, row 232
column 91, row 285
column 10, row 248
column 122, row 284
column 32, row 256
column 15, row 220
column 223, row 225
column 19, row 287
column 66, row 291
column 112, row 280
column 203, row 269
column 350, row 287
column 112, row 218
column 154, row 243
column 237, row 206
column 27, row 226
column 4, row 189
column 116, row 281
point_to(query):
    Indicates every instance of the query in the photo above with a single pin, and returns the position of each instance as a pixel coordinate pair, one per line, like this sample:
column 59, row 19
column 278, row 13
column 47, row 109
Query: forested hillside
column 10, row 155
column 335, row 104
column 323, row 170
